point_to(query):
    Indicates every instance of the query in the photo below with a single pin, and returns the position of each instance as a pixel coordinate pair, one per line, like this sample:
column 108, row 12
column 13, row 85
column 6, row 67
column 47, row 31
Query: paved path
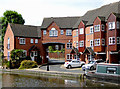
column 61, row 68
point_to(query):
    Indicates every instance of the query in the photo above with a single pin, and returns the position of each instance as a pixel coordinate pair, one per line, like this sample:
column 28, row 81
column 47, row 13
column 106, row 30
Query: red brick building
column 94, row 35
column 24, row 37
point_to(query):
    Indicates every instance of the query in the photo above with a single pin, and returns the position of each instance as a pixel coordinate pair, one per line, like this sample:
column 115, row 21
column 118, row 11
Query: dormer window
column 111, row 25
column 53, row 32
column 97, row 28
column 81, row 31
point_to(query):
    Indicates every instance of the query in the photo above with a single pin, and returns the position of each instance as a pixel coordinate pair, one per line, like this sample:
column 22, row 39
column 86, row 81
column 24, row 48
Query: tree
column 10, row 17
column 16, row 57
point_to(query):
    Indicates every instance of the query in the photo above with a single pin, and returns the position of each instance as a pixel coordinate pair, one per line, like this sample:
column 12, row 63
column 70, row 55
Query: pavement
column 58, row 65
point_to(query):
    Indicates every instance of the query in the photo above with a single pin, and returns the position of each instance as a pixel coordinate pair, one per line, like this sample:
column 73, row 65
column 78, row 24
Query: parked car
column 74, row 63
column 91, row 65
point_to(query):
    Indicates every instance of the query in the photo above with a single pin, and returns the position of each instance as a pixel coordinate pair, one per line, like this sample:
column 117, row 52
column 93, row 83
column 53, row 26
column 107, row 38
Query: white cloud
column 33, row 11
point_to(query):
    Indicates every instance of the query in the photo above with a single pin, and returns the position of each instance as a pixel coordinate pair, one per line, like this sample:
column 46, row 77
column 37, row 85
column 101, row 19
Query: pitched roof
column 90, row 50
column 102, row 11
column 26, row 30
column 62, row 22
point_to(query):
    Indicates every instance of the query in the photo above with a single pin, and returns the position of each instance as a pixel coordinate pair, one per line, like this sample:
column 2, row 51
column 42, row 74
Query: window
column 56, row 47
column 35, row 53
column 8, row 45
column 44, row 32
column 31, row 41
column 103, row 42
column 81, row 31
column 118, row 24
column 36, row 41
column 77, row 44
column 62, row 32
column 97, row 28
column 22, row 41
column 76, row 32
column 53, row 32
column 81, row 43
column 103, row 27
column 69, row 57
column 91, row 29
column 97, row 42
column 69, row 45
column 91, row 43
column 111, row 25
column 68, row 32
column 24, row 53
column 8, row 56
column 111, row 40
column 118, row 40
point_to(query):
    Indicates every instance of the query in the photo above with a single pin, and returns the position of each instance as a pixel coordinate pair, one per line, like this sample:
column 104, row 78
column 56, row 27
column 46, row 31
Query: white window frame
column 31, row 41
column 22, row 41
column 24, row 51
column 35, row 53
column 91, row 29
column 8, row 45
column 68, row 56
column 103, row 42
column 97, row 28
column 44, row 32
column 97, row 42
column 82, row 43
column 56, row 47
column 76, row 44
column 62, row 32
column 118, row 24
column 111, row 41
column 81, row 31
column 36, row 41
column 69, row 32
column 91, row 43
column 102, row 27
column 111, row 25
column 53, row 32
column 69, row 45
column 118, row 40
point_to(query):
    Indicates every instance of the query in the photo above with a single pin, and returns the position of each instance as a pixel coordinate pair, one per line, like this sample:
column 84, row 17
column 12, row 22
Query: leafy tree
column 16, row 57
column 10, row 17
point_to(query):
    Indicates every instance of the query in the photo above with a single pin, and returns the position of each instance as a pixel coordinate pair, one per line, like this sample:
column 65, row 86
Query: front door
column 32, row 55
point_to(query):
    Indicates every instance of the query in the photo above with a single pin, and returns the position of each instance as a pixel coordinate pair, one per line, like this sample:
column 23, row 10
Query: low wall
column 56, row 55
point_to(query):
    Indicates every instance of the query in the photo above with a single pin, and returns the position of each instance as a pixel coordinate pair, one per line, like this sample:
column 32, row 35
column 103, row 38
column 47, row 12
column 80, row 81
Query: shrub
column 26, row 64
column 63, row 50
column 50, row 48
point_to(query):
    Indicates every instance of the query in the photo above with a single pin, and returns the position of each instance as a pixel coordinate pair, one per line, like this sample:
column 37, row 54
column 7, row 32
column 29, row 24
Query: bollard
column 47, row 67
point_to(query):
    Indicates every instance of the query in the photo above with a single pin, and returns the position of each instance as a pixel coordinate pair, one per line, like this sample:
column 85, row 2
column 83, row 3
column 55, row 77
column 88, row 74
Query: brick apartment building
column 94, row 35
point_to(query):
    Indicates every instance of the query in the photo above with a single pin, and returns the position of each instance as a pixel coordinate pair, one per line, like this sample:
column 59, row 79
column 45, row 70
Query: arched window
column 53, row 32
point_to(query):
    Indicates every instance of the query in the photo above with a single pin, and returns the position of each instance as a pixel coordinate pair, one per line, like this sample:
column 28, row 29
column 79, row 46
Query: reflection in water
column 14, row 80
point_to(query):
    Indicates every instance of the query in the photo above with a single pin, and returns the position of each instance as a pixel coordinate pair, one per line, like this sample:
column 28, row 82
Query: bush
column 26, row 64
column 50, row 48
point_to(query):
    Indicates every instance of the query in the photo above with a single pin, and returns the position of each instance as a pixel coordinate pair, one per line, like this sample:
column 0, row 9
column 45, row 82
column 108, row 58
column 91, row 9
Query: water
column 15, row 80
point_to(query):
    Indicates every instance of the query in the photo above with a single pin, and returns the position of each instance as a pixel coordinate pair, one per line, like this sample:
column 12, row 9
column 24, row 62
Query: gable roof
column 25, row 30
column 102, row 11
column 62, row 22
column 89, row 50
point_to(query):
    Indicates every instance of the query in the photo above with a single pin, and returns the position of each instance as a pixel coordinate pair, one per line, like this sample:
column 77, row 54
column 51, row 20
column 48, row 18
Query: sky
column 34, row 11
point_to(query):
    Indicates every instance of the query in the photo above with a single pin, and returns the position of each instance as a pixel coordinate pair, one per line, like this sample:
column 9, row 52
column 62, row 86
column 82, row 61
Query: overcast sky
column 33, row 11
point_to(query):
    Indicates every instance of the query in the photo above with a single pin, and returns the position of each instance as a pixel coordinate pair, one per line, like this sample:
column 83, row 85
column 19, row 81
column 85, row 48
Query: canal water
column 15, row 80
